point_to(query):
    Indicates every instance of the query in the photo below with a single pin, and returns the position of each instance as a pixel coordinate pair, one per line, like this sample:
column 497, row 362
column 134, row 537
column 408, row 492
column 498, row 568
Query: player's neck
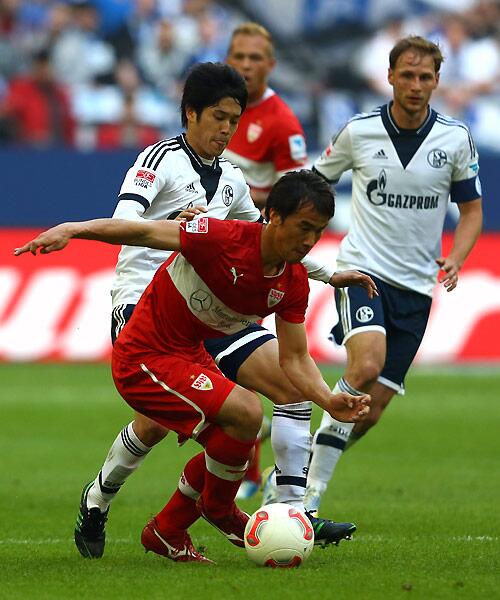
column 407, row 120
column 257, row 96
column 272, row 263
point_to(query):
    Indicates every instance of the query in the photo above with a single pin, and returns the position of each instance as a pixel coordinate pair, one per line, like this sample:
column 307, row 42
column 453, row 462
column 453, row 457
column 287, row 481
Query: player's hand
column 451, row 268
column 348, row 408
column 190, row 213
column 48, row 241
column 352, row 278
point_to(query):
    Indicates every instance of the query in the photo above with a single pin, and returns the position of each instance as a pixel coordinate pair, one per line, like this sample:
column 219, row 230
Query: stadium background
column 422, row 488
column 118, row 67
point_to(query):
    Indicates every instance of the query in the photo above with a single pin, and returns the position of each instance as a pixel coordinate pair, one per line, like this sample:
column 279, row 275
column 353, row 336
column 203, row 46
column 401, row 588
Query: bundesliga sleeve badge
column 144, row 179
column 197, row 225
column 297, row 145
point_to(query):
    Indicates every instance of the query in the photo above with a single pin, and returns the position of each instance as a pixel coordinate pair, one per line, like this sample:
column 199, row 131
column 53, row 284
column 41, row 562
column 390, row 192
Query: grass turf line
column 422, row 488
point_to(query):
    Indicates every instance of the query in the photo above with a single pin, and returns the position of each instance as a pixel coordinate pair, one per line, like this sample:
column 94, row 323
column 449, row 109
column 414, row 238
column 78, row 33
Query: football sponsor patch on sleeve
column 197, row 225
column 297, row 145
column 144, row 179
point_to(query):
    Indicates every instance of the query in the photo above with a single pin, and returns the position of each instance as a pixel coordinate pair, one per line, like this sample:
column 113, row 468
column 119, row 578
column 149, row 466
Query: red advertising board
column 57, row 307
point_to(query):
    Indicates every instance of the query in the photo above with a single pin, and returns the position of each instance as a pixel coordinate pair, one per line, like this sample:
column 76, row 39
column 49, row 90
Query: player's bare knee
column 364, row 373
column 250, row 414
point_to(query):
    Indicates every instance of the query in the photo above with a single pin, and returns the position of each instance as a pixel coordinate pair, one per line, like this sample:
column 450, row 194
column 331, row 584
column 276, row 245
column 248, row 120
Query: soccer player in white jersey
column 167, row 179
column 407, row 161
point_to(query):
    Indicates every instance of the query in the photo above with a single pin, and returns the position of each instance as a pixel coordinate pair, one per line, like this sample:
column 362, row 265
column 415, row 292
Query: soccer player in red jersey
column 226, row 275
column 269, row 140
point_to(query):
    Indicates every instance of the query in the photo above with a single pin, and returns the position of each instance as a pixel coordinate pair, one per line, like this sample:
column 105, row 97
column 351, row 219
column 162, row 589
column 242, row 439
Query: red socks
column 226, row 460
column 216, row 473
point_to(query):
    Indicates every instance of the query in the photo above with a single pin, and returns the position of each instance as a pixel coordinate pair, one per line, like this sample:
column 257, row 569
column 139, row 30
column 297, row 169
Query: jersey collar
column 394, row 130
column 195, row 158
column 265, row 96
column 406, row 141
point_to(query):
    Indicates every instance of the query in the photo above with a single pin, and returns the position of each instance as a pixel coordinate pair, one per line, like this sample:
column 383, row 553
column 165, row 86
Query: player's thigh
column 366, row 353
column 250, row 358
column 261, row 372
column 240, row 414
column 361, row 328
column 407, row 314
column 173, row 391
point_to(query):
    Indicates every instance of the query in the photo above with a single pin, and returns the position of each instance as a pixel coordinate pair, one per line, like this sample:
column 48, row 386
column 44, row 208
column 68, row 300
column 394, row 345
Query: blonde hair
column 420, row 45
column 252, row 28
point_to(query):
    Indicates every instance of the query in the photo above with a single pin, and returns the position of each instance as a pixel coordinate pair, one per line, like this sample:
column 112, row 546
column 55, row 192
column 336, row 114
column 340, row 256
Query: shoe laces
column 94, row 524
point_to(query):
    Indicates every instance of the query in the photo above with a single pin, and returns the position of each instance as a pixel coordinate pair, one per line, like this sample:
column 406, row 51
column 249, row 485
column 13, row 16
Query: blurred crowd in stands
column 106, row 74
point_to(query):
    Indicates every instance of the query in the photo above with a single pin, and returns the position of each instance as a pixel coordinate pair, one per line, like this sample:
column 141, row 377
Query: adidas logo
column 380, row 154
column 190, row 188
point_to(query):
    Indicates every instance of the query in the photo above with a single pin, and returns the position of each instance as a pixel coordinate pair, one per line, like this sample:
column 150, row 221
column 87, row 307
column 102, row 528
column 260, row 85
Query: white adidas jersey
column 167, row 178
column 402, row 181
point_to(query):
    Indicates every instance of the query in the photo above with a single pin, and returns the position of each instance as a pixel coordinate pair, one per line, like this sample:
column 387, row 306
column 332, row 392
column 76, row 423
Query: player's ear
column 390, row 76
column 191, row 114
column 274, row 217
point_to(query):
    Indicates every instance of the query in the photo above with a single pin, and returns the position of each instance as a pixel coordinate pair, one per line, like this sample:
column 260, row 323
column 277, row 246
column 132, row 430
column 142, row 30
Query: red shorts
column 175, row 392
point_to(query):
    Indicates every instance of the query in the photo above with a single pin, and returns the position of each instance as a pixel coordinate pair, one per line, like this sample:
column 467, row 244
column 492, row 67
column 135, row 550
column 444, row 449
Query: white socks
column 124, row 457
column 291, row 442
column 328, row 445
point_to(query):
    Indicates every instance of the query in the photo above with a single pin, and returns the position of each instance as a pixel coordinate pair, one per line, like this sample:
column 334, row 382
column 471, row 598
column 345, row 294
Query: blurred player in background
column 269, row 140
column 166, row 181
column 227, row 274
column 406, row 161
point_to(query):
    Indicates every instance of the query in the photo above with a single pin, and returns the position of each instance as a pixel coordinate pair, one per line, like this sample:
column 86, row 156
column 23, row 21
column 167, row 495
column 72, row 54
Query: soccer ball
column 279, row 535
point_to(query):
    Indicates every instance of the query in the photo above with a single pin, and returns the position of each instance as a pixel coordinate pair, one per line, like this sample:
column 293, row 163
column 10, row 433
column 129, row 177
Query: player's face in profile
column 209, row 132
column 251, row 56
column 298, row 233
column 413, row 80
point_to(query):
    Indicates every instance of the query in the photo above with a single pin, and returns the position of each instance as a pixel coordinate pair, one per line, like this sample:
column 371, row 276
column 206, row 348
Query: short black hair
column 207, row 83
column 297, row 188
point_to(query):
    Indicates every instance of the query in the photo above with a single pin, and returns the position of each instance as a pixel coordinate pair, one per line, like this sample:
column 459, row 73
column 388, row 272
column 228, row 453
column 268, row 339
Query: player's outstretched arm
column 302, row 371
column 342, row 279
column 162, row 235
column 467, row 231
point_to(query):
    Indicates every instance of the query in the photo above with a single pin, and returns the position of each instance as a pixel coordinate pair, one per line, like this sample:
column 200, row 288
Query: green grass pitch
column 423, row 488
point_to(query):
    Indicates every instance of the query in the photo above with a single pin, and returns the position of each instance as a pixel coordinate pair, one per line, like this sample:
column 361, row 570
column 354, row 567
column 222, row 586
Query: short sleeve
column 289, row 151
column 146, row 177
column 337, row 157
column 465, row 183
column 295, row 310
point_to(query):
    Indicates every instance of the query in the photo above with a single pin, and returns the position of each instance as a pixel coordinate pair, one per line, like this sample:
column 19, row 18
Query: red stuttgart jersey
column 214, row 287
column 268, row 142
